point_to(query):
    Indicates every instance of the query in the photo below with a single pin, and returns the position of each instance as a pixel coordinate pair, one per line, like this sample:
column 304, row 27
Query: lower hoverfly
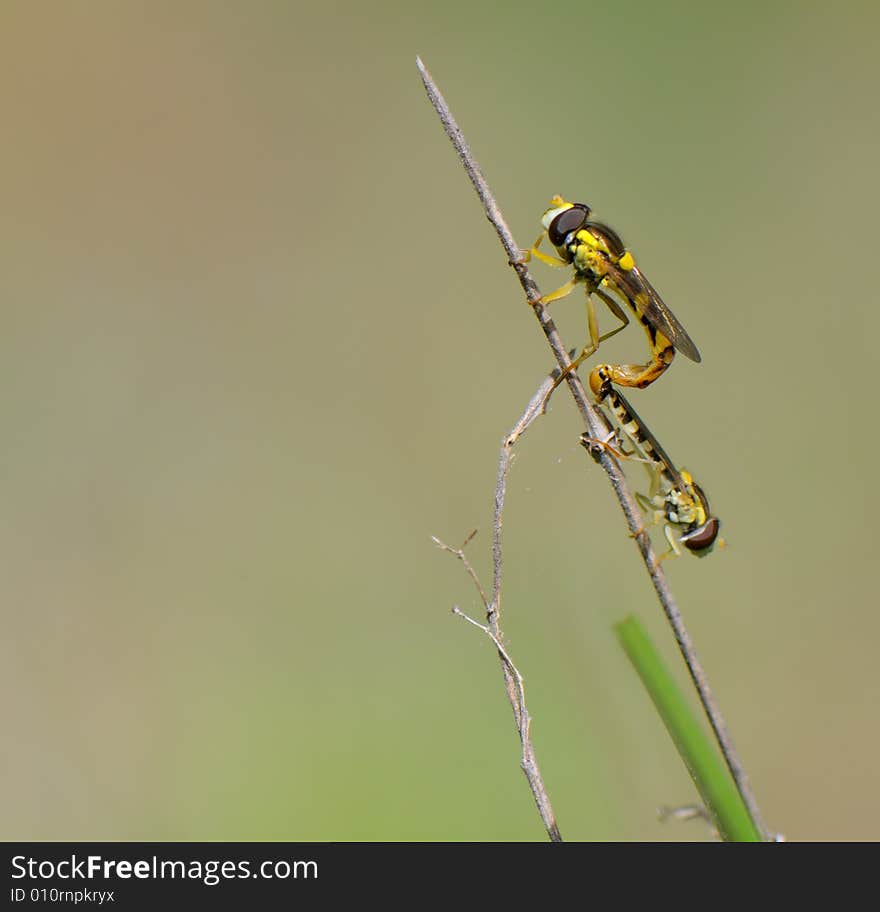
column 674, row 498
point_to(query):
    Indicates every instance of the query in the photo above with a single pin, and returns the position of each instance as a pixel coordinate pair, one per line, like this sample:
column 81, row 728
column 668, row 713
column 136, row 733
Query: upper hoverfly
column 607, row 269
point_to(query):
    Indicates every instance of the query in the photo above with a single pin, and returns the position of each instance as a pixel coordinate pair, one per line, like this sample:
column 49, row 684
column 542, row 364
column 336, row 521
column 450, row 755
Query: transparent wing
column 645, row 436
column 633, row 284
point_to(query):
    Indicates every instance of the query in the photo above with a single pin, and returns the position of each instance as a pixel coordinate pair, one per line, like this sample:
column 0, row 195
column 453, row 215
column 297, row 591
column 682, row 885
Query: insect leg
column 555, row 262
column 592, row 326
column 673, row 549
column 634, row 375
column 618, row 312
column 562, row 292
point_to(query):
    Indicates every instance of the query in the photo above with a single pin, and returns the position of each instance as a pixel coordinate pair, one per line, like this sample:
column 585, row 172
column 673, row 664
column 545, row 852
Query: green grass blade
column 710, row 775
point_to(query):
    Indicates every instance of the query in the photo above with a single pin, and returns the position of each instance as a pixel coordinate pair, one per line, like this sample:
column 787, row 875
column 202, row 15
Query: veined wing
column 633, row 284
column 644, row 436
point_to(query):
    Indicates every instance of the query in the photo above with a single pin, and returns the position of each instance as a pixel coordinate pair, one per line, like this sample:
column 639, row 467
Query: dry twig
column 596, row 428
column 513, row 681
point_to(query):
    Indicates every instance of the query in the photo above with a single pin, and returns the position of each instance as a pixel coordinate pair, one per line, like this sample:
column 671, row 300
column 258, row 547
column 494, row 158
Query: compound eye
column 704, row 537
column 566, row 222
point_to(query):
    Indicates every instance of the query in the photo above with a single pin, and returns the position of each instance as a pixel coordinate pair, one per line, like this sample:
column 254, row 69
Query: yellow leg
column 637, row 376
column 588, row 350
column 562, row 292
column 555, row 262
column 592, row 328
column 614, row 307
column 652, row 515
column 673, row 550
column 613, row 443
column 609, row 443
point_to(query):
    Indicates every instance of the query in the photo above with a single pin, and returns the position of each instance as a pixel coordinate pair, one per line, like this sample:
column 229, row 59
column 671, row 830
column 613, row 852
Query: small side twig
column 513, row 681
column 597, row 428
column 533, row 410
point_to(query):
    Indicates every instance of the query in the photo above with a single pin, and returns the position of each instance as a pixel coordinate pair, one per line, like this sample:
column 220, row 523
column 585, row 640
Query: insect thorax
column 587, row 260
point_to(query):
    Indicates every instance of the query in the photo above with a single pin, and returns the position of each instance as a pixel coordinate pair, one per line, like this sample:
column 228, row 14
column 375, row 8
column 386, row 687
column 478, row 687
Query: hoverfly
column 674, row 498
column 607, row 269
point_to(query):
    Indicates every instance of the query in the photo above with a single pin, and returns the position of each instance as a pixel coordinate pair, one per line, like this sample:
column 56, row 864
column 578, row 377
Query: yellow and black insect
column 604, row 266
column 674, row 498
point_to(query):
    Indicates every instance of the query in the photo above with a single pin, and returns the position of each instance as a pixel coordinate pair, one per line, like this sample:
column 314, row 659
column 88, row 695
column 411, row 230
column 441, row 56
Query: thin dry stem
column 459, row 553
column 523, row 724
column 533, row 410
column 597, row 428
column 513, row 681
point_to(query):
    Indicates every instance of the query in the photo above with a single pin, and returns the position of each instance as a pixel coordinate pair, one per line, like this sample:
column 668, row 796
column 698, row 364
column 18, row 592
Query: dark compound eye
column 566, row 222
column 609, row 235
column 704, row 537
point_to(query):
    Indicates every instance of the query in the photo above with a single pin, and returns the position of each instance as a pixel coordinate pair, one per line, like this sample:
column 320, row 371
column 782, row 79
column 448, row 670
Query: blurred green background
column 259, row 344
